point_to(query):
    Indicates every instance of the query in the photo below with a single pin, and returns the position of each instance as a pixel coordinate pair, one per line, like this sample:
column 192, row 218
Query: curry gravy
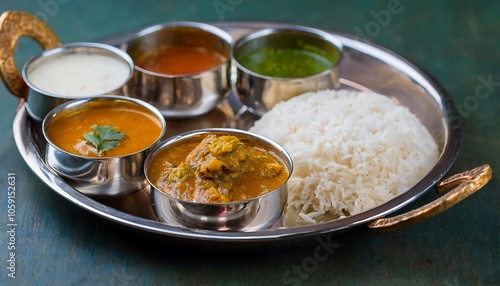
column 178, row 60
column 217, row 169
column 140, row 127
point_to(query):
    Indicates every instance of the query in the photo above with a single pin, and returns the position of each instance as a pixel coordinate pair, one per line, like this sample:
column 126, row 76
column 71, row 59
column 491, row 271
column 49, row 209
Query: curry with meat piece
column 137, row 127
column 219, row 169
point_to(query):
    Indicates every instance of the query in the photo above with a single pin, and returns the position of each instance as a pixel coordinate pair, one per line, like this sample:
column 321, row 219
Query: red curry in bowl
column 179, row 60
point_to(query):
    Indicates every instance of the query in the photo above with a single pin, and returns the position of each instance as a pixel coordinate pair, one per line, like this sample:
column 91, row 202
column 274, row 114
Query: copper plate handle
column 13, row 25
column 458, row 187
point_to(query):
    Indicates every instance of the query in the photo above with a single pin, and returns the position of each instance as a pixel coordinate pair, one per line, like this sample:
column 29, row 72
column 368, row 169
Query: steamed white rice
column 351, row 152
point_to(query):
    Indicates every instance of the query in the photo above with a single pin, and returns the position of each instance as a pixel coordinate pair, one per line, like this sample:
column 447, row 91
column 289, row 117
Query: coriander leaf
column 103, row 137
column 109, row 145
column 92, row 138
column 108, row 133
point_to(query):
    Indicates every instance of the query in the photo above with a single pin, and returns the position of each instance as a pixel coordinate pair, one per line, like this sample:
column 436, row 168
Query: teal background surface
column 457, row 42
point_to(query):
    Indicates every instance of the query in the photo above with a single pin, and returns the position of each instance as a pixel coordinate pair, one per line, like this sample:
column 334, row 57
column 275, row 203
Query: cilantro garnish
column 103, row 137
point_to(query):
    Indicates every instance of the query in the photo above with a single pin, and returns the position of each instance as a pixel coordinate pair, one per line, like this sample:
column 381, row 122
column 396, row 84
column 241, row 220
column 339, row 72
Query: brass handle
column 461, row 185
column 13, row 25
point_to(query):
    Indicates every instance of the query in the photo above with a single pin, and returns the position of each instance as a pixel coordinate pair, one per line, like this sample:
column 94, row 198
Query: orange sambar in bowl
column 123, row 127
column 179, row 60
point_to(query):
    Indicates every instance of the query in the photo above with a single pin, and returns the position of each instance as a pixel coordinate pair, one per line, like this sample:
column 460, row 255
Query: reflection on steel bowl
column 218, row 178
column 279, row 63
column 99, row 144
column 182, row 68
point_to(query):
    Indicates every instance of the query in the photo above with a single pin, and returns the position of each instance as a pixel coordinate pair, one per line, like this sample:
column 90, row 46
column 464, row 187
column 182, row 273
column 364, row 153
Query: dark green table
column 57, row 243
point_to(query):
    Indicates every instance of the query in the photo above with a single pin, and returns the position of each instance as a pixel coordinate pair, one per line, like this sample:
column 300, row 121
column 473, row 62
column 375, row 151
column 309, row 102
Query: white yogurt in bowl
column 74, row 71
column 79, row 74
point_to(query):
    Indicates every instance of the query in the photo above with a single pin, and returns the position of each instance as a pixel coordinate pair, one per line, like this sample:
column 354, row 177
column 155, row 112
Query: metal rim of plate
column 451, row 119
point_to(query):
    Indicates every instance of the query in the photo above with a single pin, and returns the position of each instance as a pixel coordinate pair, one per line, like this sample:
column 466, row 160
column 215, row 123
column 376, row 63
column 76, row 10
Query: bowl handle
column 13, row 25
column 461, row 185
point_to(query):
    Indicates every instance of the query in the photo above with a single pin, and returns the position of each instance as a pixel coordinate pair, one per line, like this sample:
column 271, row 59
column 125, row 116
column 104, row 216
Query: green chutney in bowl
column 284, row 62
column 276, row 64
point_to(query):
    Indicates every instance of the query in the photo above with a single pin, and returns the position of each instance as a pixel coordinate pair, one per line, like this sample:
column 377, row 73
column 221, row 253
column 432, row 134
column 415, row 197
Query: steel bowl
column 258, row 92
column 185, row 95
column 260, row 212
column 106, row 176
column 40, row 102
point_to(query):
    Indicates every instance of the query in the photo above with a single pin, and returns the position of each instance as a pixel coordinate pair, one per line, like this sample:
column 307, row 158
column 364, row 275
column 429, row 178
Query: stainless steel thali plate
column 365, row 66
